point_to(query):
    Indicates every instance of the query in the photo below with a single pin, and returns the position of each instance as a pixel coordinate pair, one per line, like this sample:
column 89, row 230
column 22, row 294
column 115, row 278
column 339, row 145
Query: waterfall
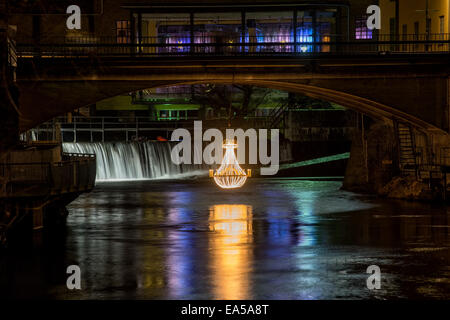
column 133, row 160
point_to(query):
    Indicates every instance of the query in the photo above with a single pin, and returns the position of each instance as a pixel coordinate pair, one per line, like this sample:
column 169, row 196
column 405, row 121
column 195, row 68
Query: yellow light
column 230, row 249
column 230, row 175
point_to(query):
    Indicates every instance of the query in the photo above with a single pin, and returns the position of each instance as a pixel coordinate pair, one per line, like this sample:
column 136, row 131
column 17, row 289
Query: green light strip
column 340, row 156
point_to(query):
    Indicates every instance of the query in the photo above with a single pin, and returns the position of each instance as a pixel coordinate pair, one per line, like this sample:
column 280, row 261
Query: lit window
column 173, row 115
column 361, row 30
column 123, row 31
column 163, row 113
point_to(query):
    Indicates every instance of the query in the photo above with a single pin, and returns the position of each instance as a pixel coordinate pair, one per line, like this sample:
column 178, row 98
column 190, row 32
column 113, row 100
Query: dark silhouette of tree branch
column 235, row 101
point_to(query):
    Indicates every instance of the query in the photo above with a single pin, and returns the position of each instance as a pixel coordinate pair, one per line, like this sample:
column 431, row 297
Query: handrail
column 80, row 155
column 73, row 175
column 88, row 156
column 98, row 120
column 274, row 44
column 169, row 39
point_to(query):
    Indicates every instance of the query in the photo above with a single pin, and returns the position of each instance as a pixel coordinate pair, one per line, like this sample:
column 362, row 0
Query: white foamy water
column 134, row 160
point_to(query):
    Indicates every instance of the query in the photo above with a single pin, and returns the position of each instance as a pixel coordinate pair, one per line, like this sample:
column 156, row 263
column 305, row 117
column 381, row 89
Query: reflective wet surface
column 272, row 239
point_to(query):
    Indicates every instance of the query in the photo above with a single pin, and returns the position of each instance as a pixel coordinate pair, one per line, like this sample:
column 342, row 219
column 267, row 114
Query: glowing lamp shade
column 230, row 175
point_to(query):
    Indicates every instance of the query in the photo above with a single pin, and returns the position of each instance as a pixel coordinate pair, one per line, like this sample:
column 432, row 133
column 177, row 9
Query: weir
column 133, row 160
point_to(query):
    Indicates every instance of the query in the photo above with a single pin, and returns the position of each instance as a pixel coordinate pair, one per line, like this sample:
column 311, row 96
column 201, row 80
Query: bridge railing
column 75, row 173
column 129, row 127
column 415, row 43
column 98, row 128
column 231, row 45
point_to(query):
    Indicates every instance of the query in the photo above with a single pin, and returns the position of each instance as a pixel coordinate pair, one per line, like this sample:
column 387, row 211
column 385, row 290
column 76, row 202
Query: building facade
column 178, row 22
column 410, row 20
column 187, row 26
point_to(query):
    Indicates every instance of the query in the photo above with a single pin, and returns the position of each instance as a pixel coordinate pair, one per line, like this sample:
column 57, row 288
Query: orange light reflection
column 231, row 253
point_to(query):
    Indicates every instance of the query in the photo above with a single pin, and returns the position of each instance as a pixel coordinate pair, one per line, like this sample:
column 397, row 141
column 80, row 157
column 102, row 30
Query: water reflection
column 180, row 258
column 231, row 254
column 273, row 239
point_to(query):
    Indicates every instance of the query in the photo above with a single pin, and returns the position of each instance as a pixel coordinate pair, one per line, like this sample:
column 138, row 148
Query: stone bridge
column 409, row 88
column 391, row 88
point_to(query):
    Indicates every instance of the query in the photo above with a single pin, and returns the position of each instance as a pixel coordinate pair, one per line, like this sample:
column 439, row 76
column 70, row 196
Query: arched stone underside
column 62, row 96
column 371, row 108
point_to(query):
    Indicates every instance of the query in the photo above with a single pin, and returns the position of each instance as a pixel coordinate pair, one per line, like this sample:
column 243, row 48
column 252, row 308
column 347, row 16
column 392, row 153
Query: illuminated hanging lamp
column 230, row 175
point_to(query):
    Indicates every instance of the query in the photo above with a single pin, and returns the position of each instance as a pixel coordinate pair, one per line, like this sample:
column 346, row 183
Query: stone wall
column 372, row 159
column 319, row 125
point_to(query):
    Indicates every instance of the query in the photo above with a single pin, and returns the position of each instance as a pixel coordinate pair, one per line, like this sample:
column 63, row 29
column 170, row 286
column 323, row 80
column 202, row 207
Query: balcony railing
column 265, row 45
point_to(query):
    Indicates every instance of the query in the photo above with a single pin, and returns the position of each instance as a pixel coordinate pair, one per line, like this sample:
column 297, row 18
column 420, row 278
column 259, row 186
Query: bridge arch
column 362, row 105
column 65, row 96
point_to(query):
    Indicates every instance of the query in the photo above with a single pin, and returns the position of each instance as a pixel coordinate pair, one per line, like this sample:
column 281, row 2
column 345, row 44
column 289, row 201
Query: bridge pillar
column 372, row 162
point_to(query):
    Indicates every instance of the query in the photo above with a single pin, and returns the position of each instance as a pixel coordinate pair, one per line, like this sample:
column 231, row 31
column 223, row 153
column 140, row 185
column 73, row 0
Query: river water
column 271, row 239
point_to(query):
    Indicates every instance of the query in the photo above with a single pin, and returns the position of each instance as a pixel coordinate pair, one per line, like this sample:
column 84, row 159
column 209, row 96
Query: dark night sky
column 52, row 6
column 92, row 6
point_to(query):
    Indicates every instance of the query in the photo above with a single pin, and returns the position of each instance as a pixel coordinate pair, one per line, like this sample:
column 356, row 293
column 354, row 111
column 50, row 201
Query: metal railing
column 75, row 173
column 277, row 115
column 232, row 45
column 133, row 127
